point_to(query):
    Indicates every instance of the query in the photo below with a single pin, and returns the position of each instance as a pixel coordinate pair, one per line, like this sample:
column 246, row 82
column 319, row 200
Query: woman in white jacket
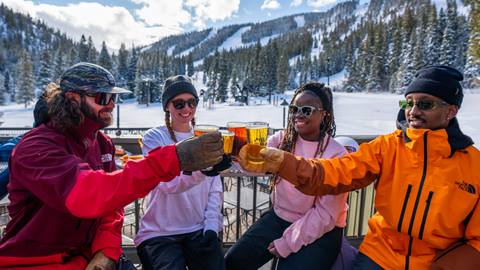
column 183, row 217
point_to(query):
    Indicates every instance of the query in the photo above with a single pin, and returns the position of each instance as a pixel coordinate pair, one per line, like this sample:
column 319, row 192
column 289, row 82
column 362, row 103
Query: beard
column 104, row 116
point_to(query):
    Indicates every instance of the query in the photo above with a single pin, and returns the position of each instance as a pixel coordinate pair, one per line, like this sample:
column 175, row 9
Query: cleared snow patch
column 234, row 41
column 300, row 20
column 212, row 33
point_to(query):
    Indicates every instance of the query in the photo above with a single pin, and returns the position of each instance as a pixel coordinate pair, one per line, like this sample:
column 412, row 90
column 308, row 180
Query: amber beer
column 228, row 139
column 240, row 131
column 202, row 129
column 257, row 133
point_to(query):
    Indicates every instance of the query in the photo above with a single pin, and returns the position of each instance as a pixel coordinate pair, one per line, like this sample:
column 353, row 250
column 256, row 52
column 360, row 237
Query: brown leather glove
column 201, row 152
column 101, row 262
column 272, row 159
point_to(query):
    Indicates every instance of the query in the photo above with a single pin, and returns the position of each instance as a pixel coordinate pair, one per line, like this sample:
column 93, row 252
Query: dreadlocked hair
column 65, row 112
column 327, row 126
column 168, row 123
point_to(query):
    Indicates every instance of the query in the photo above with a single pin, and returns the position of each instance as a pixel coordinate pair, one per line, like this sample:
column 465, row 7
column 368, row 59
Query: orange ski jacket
column 427, row 192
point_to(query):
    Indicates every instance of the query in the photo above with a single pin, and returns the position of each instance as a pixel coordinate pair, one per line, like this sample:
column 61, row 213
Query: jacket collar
column 455, row 137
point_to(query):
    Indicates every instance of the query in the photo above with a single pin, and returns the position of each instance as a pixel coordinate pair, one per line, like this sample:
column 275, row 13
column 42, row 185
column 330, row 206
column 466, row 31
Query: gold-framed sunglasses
column 424, row 105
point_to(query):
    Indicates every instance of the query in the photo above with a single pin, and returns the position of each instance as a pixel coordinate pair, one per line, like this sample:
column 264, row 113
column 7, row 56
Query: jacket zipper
column 417, row 200
column 425, row 214
column 404, row 207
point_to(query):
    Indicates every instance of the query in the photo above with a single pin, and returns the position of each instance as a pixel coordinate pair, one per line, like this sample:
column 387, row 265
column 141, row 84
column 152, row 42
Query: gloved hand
column 223, row 165
column 209, row 241
column 272, row 159
column 200, row 152
column 100, row 262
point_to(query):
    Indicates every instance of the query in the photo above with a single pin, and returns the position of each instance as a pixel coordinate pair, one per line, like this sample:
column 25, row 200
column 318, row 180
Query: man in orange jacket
column 426, row 178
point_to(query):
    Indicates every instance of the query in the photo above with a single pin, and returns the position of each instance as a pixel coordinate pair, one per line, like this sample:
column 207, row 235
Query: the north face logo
column 466, row 187
column 106, row 157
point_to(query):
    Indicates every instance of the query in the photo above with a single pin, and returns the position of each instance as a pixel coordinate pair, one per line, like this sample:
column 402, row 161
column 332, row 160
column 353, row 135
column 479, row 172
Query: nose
column 415, row 110
column 111, row 103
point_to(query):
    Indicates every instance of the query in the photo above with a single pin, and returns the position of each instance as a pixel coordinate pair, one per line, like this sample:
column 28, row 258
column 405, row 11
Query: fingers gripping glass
column 180, row 103
column 102, row 98
column 303, row 110
column 424, row 105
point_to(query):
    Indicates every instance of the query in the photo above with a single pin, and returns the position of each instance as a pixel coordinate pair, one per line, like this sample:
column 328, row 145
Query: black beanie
column 439, row 81
column 175, row 86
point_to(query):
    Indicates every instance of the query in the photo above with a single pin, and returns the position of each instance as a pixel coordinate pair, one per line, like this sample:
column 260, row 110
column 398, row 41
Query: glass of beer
column 240, row 131
column 257, row 133
column 228, row 139
column 202, row 129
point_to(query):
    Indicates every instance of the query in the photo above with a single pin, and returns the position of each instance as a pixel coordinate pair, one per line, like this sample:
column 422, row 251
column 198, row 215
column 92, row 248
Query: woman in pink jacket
column 305, row 232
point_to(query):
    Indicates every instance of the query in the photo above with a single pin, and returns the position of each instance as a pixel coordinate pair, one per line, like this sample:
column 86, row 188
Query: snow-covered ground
column 234, row 41
column 355, row 114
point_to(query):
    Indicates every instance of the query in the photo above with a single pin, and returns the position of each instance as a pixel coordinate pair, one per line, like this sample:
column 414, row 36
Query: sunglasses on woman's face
column 180, row 103
column 303, row 110
column 424, row 105
column 102, row 99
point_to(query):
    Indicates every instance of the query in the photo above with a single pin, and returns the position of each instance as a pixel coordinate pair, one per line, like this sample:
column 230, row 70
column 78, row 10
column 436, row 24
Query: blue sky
column 142, row 22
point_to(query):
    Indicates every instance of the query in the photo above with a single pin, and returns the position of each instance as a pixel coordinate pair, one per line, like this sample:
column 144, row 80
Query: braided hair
column 327, row 126
column 168, row 123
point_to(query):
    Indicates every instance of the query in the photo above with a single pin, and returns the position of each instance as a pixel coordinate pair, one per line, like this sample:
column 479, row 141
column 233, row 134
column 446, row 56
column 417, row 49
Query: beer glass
column 257, row 133
column 202, row 129
column 228, row 139
column 240, row 131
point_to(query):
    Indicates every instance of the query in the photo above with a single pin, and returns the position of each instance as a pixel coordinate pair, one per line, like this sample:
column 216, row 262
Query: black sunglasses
column 180, row 103
column 424, row 105
column 102, row 99
column 303, row 110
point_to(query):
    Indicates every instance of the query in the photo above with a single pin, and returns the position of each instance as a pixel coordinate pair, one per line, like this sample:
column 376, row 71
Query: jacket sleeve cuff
column 112, row 253
column 282, row 247
column 109, row 243
column 210, row 226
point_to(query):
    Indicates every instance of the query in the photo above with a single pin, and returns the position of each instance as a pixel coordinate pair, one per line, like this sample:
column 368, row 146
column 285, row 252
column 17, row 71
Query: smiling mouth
column 300, row 122
column 185, row 115
column 416, row 122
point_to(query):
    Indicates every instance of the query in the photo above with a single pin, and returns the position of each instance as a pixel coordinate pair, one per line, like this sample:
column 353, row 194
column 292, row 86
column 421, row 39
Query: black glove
column 200, row 152
column 222, row 166
column 209, row 241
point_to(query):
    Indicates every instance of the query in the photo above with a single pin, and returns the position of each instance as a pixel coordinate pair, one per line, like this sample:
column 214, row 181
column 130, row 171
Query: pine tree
column 282, row 72
column 104, row 59
column 234, row 85
column 395, row 50
column 377, row 69
column 222, row 80
column 83, row 50
column 7, row 85
column 407, row 69
column 122, row 67
column 190, row 67
column 2, row 90
column 45, row 74
column 25, row 92
column 448, row 49
column 132, row 69
column 433, row 38
column 418, row 56
column 472, row 67
column 92, row 52
column 58, row 66
column 462, row 43
column 72, row 57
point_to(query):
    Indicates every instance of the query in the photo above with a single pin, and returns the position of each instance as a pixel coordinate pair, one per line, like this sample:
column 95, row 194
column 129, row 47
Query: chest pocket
column 450, row 206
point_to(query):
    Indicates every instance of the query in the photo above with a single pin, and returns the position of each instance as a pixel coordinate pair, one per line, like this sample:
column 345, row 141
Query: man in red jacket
column 66, row 198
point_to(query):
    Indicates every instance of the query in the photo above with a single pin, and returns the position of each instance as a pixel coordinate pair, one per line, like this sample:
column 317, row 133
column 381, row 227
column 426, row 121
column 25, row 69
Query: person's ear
column 452, row 112
column 73, row 96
